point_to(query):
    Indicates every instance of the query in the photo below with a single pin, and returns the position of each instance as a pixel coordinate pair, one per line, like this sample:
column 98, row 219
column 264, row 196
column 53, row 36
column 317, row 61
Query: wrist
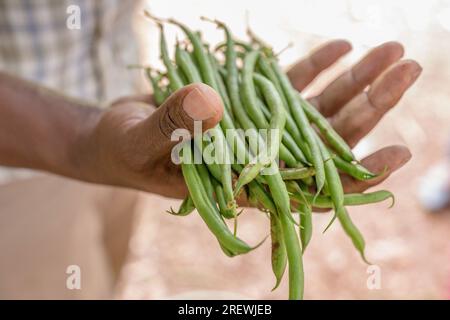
column 83, row 152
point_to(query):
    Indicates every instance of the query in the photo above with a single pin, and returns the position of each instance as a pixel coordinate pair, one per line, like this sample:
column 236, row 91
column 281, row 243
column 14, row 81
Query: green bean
column 263, row 197
column 256, row 188
column 278, row 256
column 206, row 69
column 298, row 192
column 334, row 184
column 305, row 225
column 258, row 95
column 222, row 148
column 233, row 87
column 282, row 203
column 184, row 61
column 248, row 90
column 353, row 232
column 213, row 167
column 186, row 207
column 199, row 53
column 288, row 143
column 353, row 169
column 291, row 127
column 225, row 211
column 333, row 138
column 296, row 173
column 265, row 69
column 277, row 123
column 183, row 78
column 227, row 252
column 350, row 199
column 227, row 187
column 263, row 46
column 175, row 81
column 278, row 118
column 293, row 249
column 275, row 181
column 304, row 126
column 206, row 179
column 251, row 197
column 209, row 211
column 236, row 43
column 158, row 94
column 294, row 256
column 220, row 84
column 231, row 76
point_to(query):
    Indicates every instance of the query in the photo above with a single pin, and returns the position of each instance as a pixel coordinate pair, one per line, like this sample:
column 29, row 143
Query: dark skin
column 129, row 144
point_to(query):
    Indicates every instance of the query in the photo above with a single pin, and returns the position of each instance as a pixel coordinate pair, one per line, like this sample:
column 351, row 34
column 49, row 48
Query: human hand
column 354, row 111
column 130, row 145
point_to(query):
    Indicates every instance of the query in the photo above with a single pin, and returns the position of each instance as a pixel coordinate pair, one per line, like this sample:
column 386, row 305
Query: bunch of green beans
column 259, row 100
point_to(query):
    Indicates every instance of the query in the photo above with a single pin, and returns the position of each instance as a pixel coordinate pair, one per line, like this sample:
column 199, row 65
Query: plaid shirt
column 89, row 63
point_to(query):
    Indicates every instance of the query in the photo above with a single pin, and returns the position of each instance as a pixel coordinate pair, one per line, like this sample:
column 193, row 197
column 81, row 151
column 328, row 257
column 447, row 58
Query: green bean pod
column 353, row 232
column 333, row 138
column 334, row 185
column 227, row 184
column 350, row 199
column 293, row 249
column 209, row 76
column 248, row 90
column 207, row 210
column 186, row 207
column 303, row 124
column 277, row 122
column 267, row 71
column 220, row 84
column 278, row 256
column 355, row 170
column 187, row 65
column 263, row 197
column 296, row 173
column 294, row 256
column 158, row 94
column 291, row 126
column 306, row 226
column 225, row 211
column 289, row 146
column 175, row 81
column 232, row 81
column 206, row 179
column 237, row 43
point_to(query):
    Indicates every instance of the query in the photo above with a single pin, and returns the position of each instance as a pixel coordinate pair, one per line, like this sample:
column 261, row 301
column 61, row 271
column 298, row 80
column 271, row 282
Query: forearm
column 41, row 129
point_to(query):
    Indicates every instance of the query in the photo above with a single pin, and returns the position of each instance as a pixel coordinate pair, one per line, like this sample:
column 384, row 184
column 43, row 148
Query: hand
column 353, row 111
column 130, row 143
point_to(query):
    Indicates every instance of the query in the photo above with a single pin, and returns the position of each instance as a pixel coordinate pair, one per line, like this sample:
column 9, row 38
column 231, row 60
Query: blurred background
column 171, row 256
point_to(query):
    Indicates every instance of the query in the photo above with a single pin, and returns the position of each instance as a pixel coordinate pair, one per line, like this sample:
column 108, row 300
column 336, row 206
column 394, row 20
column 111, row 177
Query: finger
column 195, row 102
column 143, row 98
column 385, row 160
column 304, row 71
column 352, row 82
column 360, row 115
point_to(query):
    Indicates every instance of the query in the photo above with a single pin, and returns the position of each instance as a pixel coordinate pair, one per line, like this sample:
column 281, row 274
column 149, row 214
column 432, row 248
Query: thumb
column 195, row 102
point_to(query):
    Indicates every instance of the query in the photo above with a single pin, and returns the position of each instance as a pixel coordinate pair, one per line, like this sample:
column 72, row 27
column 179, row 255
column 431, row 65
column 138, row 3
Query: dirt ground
column 174, row 255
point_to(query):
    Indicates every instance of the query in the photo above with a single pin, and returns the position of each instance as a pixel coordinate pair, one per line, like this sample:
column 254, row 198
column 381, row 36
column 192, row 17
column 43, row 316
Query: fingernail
column 200, row 103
